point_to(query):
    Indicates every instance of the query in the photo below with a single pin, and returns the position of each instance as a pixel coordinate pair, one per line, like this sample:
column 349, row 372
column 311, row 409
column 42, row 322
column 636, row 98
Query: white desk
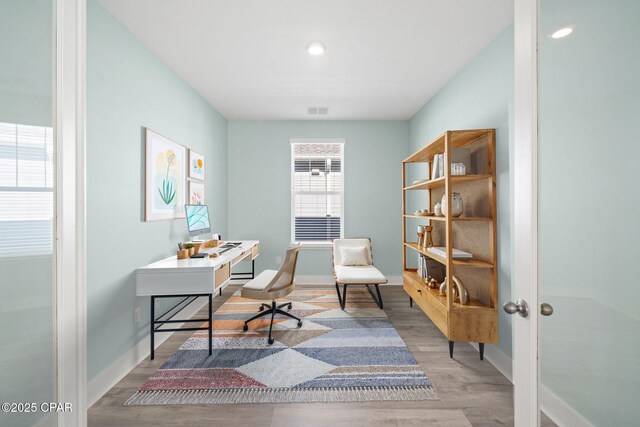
column 191, row 277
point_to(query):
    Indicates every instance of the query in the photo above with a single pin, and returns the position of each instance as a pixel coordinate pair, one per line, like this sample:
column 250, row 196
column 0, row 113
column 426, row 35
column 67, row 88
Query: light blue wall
column 260, row 187
column 129, row 88
column 481, row 96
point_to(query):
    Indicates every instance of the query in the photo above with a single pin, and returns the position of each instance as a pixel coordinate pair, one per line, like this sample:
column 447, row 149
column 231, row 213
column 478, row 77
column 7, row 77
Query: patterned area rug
column 350, row 355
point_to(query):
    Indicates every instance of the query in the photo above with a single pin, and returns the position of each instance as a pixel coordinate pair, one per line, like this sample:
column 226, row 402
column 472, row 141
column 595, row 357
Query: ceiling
column 384, row 59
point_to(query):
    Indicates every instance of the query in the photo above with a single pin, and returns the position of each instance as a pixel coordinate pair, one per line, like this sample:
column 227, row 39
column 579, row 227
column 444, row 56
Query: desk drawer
column 241, row 257
column 222, row 275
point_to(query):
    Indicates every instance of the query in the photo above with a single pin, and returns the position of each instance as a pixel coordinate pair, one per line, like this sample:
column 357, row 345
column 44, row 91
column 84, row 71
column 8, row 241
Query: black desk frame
column 158, row 320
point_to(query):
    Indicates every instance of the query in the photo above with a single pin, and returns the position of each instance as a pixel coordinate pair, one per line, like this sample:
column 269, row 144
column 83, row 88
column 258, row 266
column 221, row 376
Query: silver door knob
column 520, row 306
column 546, row 309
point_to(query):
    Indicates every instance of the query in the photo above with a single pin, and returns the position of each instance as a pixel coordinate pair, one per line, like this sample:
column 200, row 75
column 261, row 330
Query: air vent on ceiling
column 318, row 111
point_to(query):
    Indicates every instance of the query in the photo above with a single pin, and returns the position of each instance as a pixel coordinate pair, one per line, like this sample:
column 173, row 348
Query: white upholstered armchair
column 353, row 265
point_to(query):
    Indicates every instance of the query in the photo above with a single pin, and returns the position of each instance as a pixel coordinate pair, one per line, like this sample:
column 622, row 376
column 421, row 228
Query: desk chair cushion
column 261, row 281
column 359, row 275
column 355, row 256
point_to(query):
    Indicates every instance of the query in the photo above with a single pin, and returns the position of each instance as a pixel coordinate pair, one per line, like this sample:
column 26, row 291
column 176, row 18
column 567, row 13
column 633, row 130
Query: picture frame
column 197, row 165
column 196, row 192
column 165, row 177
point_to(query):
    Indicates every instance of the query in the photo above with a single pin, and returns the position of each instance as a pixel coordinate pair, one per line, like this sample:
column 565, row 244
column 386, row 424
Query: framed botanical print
column 165, row 178
column 196, row 193
column 196, row 165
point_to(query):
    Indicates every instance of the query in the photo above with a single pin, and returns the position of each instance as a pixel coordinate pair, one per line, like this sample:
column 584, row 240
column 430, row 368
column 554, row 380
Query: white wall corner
column 99, row 385
column 498, row 359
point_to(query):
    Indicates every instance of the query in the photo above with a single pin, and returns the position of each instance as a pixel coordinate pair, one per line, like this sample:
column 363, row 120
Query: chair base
column 343, row 299
column 272, row 309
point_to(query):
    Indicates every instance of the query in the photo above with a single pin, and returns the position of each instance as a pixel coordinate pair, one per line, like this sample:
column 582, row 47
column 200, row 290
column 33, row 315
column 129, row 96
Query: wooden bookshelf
column 475, row 232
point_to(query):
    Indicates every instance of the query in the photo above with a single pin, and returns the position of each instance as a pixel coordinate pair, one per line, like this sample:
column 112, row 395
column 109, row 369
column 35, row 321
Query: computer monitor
column 197, row 220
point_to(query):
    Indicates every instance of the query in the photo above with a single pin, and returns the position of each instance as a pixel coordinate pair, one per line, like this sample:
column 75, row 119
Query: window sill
column 315, row 245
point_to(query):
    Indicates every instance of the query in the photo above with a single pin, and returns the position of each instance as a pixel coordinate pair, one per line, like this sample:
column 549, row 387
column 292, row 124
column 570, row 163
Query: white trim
column 103, row 382
column 525, row 330
column 498, row 359
column 559, row 411
column 304, row 280
column 71, row 357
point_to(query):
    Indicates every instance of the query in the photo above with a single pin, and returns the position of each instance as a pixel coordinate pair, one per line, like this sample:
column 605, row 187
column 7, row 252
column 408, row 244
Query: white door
column 577, row 202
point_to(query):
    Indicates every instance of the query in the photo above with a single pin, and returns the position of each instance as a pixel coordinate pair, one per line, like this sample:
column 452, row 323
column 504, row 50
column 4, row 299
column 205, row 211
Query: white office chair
column 353, row 265
column 270, row 285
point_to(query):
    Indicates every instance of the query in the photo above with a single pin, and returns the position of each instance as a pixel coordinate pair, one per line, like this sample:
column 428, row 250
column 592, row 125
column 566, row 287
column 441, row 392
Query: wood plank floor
column 471, row 392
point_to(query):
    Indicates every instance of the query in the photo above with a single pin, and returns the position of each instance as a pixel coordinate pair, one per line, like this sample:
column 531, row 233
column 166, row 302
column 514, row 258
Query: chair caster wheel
column 300, row 324
column 270, row 341
column 290, row 306
column 261, row 308
column 245, row 328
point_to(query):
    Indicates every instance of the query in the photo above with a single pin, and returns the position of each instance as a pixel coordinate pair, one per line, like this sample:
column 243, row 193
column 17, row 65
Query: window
column 317, row 183
column 26, row 190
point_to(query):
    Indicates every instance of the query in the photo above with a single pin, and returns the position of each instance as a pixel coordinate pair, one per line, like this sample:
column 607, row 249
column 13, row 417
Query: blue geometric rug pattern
column 337, row 355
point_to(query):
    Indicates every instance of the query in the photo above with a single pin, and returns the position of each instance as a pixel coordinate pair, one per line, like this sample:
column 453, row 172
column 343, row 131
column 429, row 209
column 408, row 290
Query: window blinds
column 26, row 190
column 317, row 189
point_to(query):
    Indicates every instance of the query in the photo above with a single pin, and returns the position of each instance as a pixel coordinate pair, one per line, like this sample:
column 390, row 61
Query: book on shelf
column 442, row 252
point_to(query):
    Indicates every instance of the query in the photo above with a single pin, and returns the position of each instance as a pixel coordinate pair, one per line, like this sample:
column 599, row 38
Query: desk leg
column 152, row 325
column 253, row 268
column 210, row 323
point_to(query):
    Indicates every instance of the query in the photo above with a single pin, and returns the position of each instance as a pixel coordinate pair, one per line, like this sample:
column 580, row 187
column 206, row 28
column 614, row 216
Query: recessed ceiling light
column 315, row 48
column 562, row 32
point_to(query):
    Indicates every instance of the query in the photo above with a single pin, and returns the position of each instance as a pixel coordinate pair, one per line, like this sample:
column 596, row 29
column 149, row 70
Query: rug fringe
column 281, row 395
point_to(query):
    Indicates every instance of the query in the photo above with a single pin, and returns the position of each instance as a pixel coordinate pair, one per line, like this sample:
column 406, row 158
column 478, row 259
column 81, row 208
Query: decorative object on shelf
column 432, row 283
column 437, row 210
column 420, row 239
column 427, row 242
column 196, row 165
column 441, row 251
column 458, row 169
column 437, row 166
column 196, row 192
column 460, row 292
column 456, row 204
column 421, row 229
column 165, row 178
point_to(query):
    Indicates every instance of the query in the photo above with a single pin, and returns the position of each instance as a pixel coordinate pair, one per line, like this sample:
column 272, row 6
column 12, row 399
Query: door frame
column 525, row 277
column 70, row 317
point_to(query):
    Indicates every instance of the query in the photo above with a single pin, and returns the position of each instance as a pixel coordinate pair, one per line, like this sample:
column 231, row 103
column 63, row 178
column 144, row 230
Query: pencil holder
column 182, row 254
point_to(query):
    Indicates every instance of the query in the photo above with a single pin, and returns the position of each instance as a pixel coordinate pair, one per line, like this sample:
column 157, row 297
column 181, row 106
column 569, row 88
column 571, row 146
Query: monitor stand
column 200, row 238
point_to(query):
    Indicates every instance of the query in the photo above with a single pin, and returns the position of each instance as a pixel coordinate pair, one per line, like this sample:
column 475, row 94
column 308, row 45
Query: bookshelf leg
column 451, row 349
column 481, row 347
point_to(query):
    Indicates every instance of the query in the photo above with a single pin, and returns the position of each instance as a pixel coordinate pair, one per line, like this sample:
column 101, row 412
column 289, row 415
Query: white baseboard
column 330, row 280
column 559, row 411
column 99, row 385
column 498, row 359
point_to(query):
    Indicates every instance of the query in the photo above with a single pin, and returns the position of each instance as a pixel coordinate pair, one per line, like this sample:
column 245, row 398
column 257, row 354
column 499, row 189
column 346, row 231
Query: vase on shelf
column 456, row 204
